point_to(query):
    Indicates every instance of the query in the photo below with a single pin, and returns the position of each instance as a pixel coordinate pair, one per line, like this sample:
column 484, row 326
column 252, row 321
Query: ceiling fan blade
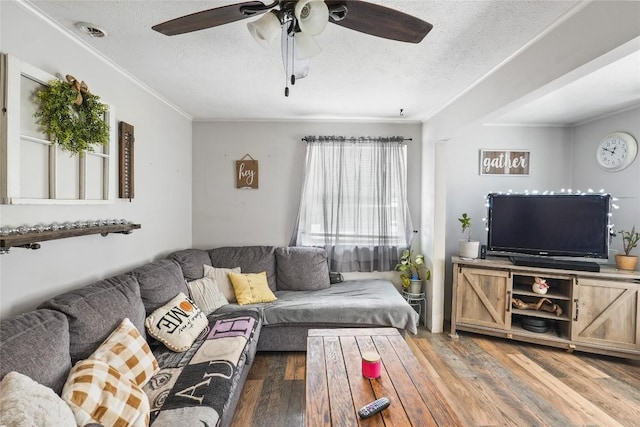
column 380, row 21
column 210, row 18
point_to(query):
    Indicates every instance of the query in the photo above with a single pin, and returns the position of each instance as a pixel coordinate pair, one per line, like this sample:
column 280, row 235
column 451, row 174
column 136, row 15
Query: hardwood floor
column 488, row 381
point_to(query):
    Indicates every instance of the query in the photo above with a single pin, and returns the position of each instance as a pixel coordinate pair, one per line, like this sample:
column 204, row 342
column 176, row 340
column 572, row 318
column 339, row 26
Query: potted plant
column 630, row 240
column 467, row 248
column 412, row 271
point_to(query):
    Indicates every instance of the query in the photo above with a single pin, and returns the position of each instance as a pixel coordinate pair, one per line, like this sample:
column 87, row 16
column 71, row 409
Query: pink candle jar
column 371, row 364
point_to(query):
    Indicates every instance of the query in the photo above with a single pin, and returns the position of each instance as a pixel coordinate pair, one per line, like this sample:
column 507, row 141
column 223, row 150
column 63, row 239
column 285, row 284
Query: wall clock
column 616, row 151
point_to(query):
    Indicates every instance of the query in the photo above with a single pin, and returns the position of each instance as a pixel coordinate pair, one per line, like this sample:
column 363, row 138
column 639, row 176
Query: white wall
column 624, row 184
column 224, row 215
column 162, row 177
column 550, row 169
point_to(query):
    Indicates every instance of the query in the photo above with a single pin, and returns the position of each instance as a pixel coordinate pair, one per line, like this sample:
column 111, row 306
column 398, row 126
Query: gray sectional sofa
column 198, row 385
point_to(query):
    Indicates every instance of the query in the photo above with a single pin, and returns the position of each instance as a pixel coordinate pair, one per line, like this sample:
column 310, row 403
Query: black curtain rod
column 354, row 139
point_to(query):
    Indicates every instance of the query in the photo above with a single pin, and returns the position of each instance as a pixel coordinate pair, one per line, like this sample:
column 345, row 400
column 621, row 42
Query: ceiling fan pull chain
column 293, row 60
column 286, row 66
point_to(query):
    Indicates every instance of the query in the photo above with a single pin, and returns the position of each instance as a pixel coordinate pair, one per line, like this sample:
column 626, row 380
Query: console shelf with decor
column 597, row 312
column 31, row 239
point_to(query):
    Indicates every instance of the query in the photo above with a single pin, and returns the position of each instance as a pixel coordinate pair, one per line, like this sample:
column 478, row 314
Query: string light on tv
column 567, row 191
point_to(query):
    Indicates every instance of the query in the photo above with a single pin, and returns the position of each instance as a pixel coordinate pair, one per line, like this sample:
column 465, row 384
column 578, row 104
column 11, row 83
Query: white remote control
column 370, row 409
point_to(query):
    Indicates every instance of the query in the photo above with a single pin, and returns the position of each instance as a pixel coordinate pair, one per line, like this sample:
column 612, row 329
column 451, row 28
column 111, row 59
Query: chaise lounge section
column 306, row 299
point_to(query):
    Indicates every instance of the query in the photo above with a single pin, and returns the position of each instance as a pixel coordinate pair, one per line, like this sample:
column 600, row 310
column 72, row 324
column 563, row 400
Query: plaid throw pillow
column 129, row 353
column 98, row 393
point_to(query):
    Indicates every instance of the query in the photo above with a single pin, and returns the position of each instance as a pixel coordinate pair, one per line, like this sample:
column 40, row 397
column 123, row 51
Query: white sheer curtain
column 354, row 202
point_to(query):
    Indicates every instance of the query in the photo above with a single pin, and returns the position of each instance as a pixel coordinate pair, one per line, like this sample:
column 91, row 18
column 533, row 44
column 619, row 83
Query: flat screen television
column 549, row 225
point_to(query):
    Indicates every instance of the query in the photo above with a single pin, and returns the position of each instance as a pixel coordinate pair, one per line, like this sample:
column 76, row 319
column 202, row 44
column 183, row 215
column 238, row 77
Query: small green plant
column 76, row 128
column 412, row 267
column 630, row 240
column 465, row 221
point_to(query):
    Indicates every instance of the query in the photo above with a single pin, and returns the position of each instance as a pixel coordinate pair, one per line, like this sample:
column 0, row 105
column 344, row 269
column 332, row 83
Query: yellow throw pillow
column 251, row 288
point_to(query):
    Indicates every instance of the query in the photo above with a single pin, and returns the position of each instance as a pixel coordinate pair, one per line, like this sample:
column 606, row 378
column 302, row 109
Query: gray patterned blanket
column 193, row 388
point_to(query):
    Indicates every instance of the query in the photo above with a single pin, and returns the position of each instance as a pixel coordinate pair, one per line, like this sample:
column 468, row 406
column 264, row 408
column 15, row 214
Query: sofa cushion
column 206, row 294
column 159, row 282
column 250, row 259
column 365, row 302
column 302, row 269
column 177, row 324
column 129, row 353
column 191, row 262
column 24, row 402
column 251, row 288
column 97, row 392
column 221, row 276
column 36, row 344
column 95, row 310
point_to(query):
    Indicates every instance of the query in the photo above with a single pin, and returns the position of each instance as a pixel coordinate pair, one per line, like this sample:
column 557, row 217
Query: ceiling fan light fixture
column 265, row 30
column 312, row 16
column 306, row 46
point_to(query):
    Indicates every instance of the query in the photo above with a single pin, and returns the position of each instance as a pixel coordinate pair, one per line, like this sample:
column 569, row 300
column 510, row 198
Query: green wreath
column 72, row 117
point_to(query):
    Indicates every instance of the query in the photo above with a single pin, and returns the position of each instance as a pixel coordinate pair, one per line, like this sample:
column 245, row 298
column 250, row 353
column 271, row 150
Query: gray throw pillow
column 191, row 261
column 36, row 344
column 95, row 310
column 250, row 259
column 159, row 282
column 302, row 269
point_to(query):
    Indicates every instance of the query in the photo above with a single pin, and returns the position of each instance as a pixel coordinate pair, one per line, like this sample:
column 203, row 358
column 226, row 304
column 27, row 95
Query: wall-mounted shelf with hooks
column 31, row 239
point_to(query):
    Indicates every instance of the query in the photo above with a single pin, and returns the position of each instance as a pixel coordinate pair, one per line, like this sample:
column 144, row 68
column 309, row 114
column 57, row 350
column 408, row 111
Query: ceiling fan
column 297, row 21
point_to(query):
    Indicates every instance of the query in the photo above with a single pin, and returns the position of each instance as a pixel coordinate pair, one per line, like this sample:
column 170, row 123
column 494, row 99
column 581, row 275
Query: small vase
column 626, row 262
column 468, row 250
column 415, row 287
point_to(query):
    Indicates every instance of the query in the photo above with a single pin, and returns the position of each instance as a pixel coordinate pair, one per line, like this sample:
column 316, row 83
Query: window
column 35, row 171
column 354, row 202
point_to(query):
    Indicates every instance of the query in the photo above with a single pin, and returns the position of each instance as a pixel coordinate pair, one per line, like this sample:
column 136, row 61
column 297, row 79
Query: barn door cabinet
column 606, row 313
column 598, row 312
column 484, row 297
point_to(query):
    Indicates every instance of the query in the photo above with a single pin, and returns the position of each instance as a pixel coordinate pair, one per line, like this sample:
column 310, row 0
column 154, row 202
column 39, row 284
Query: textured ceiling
column 221, row 73
column 613, row 87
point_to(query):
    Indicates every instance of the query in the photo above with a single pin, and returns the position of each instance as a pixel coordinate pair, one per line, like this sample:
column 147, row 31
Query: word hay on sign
column 247, row 173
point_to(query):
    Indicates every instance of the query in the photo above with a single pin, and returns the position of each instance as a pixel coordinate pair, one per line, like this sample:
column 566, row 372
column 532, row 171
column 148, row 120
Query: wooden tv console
column 600, row 311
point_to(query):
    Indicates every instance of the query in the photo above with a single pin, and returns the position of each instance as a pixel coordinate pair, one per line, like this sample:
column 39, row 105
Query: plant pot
column 626, row 262
column 468, row 249
column 415, row 287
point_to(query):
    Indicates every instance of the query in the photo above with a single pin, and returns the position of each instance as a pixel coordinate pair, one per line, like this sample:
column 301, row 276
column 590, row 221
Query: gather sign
column 504, row 162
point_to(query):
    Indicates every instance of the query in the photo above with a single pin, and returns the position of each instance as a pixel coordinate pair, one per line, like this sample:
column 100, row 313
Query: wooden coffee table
column 336, row 389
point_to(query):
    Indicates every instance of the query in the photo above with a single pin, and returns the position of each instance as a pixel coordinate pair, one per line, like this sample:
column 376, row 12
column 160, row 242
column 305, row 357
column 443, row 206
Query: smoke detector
column 91, row 30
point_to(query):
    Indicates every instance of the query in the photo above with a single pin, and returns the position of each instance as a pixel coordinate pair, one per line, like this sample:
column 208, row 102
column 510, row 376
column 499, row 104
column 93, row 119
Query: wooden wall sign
column 247, row 172
column 503, row 162
column 126, row 140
